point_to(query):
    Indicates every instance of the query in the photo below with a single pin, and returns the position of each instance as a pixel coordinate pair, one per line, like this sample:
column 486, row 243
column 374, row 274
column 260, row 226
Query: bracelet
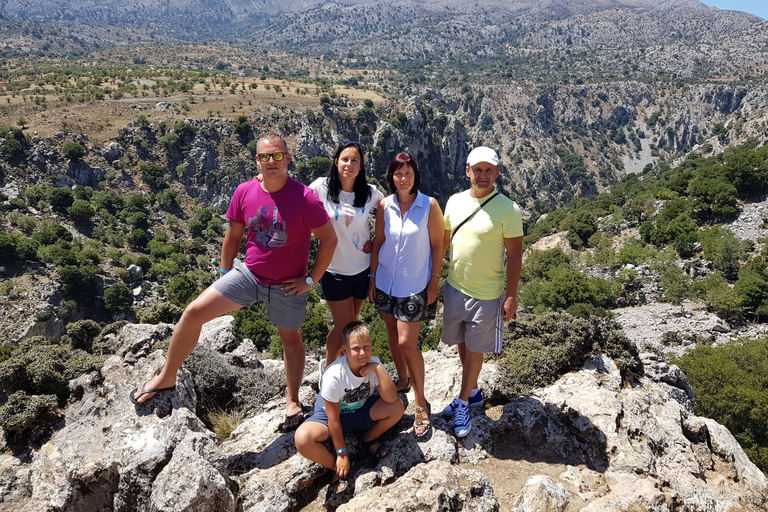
column 339, row 452
column 436, row 275
column 223, row 271
column 371, row 275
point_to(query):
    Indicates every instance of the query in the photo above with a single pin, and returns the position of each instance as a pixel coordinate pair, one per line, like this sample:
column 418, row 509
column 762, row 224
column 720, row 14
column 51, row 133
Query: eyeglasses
column 277, row 155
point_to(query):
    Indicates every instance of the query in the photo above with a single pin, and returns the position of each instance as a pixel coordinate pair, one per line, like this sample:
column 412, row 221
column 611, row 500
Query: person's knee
column 303, row 438
column 291, row 340
column 398, row 409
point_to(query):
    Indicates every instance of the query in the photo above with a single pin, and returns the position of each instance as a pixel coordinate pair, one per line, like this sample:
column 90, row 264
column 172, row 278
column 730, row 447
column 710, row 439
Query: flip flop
column 338, row 492
column 292, row 422
column 380, row 452
column 132, row 396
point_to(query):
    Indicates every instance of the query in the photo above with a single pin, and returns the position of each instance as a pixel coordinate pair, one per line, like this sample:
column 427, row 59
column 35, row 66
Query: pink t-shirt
column 279, row 228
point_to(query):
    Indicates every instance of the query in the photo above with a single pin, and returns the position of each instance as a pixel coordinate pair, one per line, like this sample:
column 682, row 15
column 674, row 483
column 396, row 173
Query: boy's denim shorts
column 357, row 421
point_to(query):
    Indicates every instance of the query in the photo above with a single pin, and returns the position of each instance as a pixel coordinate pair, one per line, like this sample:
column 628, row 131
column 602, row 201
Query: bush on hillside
column 81, row 334
column 72, row 150
column 118, row 297
column 731, row 387
column 160, row 313
column 23, row 414
column 545, row 347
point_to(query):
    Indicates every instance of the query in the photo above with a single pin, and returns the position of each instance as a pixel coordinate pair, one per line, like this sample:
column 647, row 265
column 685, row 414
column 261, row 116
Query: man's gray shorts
column 239, row 285
column 475, row 322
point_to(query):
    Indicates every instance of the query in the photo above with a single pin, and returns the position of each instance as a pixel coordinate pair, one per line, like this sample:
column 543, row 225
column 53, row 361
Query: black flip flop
column 132, row 396
column 334, row 497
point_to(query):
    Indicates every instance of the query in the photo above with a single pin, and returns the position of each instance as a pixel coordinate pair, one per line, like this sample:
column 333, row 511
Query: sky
column 758, row 7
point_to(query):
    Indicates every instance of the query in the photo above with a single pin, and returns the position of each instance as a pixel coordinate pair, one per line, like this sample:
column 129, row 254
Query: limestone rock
column 245, row 355
column 219, row 334
column 439, row 486
column 541, row 494
column 134, row 271
column 111, row 152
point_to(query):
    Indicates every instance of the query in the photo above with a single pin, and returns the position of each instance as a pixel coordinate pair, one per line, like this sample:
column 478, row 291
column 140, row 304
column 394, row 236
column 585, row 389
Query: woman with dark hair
column 348, row 199
column 405, row 270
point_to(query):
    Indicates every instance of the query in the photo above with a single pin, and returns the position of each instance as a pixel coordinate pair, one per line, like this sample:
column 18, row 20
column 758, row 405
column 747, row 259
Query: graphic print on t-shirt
column 355, row 398
column 269, row 228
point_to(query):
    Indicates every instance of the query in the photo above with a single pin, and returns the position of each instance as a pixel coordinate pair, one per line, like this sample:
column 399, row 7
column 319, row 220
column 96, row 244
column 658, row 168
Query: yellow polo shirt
column 477, row 264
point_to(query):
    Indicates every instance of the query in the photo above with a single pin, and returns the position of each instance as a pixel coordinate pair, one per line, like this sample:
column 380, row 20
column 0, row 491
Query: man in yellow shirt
column 481, row 224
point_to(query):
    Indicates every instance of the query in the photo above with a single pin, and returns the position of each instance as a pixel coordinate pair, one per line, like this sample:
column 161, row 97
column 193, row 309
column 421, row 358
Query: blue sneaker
column 474, row 401
column 462, row 422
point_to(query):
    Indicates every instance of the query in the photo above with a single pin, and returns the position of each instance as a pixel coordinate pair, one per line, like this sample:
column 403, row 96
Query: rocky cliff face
column 589, row 442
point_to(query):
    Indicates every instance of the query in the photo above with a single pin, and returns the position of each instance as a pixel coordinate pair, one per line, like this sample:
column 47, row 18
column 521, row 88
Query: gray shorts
column 477, row 323
column 239, row 285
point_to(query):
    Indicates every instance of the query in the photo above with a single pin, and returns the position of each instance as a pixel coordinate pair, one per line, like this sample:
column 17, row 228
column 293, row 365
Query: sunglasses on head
column 277, row 155
column 346, row 143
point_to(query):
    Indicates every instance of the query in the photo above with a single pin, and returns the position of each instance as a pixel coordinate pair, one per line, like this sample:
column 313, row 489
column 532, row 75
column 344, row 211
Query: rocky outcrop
column 620, row 447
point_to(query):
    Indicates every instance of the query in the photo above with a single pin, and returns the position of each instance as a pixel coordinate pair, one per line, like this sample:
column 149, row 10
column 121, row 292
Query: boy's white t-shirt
column 339, row 385
column 351, row 226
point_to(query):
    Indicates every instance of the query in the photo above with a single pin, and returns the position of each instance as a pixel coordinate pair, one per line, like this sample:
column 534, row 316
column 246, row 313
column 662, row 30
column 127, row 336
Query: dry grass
column 225, row 422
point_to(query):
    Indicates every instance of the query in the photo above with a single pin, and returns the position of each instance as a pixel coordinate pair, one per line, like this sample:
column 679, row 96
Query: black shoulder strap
column 473, row 213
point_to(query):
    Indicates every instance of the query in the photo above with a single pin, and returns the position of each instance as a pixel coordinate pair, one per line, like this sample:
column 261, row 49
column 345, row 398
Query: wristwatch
column 310, row 281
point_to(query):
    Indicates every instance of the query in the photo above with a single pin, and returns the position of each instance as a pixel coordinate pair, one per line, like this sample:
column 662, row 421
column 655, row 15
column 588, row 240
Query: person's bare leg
column 342, row 312
column 309, row 439
column 208, row 305
column 385, row 415
column 398, row 358
column 408, row 341
column 294, row 357
column 462, row 356
column 470, row 371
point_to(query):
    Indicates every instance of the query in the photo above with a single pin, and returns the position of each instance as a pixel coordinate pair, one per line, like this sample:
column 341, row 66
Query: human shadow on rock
column 539, row 431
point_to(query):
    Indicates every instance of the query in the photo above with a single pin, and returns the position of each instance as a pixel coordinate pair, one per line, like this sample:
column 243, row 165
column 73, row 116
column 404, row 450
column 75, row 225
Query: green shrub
column 181, row 290
column 48, row 233
column 723, row 249
column 80, row 212
column 545, row 347
column 82, row 334
column 22, row 413
column 60, row 198
column 137, row 239
column 220, row 385
column 538, row 263
column 45, row 369
column 160, row 313
column 118, row 297
column 731, row 387
column 252, row 323
column 13, row 142
column 5, row 352
column 72, row 150
column 78, row 282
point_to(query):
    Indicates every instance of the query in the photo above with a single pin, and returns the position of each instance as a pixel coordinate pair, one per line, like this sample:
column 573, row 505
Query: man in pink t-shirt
column 280, row 215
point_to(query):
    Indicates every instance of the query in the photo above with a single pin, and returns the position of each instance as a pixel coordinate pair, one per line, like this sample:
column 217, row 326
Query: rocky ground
column 589, row 442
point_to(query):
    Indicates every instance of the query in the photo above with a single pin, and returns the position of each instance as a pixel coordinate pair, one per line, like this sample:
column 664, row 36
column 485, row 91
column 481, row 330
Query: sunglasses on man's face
column 264, row 157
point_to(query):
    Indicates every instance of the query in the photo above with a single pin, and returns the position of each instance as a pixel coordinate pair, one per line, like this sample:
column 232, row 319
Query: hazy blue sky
column 759, row 7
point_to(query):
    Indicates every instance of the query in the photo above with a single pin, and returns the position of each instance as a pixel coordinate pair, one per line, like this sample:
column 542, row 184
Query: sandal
column 405, row 388
column 380, row 452
column 338, row 492
column 292, row 422
column 421, row 422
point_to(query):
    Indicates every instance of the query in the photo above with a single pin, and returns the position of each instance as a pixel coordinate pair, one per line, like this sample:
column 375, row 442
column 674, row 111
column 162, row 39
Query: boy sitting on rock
column 347, row 403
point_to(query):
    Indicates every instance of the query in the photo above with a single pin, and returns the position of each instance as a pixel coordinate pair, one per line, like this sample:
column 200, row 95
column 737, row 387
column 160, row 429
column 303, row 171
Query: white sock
column 463, row 402
column 474, row 392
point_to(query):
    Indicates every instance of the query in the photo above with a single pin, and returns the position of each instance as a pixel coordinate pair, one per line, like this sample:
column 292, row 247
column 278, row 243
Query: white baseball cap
column 482, row 154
